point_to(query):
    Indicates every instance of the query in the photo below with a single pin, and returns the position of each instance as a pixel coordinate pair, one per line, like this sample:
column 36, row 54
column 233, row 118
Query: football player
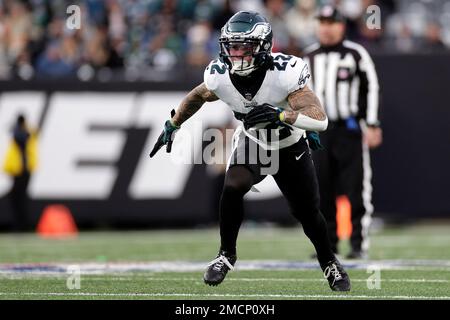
column 266, row 91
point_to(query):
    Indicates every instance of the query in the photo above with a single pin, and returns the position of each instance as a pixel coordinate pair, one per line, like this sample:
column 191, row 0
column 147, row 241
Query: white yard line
column 184, row 295
column 130, row 277
column 289, row 280
column 121, row 268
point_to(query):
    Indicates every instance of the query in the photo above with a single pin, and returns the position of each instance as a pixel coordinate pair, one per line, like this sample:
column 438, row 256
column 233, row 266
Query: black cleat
column 218, row 268
column 337, row 277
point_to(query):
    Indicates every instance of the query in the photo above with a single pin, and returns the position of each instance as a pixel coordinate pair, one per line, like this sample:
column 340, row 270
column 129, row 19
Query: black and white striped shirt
column 345, row 80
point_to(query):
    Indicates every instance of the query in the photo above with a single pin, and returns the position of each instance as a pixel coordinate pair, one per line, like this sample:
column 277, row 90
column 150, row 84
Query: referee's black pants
column 19, row 202
column 344, row 168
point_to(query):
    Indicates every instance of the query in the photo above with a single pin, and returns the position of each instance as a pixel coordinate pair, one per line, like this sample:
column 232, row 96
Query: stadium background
column 99, row 96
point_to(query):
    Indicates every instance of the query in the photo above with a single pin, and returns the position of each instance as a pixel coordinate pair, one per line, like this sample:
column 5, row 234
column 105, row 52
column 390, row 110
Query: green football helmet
column 245, row 42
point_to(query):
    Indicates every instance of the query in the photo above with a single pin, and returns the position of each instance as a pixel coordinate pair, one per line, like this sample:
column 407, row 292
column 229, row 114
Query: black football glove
column 262, row 113
column 314, row 140
column 166, row 137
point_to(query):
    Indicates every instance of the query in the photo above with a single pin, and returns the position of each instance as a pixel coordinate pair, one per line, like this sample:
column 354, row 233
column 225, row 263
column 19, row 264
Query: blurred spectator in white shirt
column 301, row 22
column 275, row 12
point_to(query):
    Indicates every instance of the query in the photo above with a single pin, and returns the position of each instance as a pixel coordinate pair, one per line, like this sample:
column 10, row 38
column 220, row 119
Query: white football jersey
column 289, row 74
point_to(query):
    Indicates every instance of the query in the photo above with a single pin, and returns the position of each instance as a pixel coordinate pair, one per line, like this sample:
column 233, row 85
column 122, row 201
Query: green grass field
column 273, row 263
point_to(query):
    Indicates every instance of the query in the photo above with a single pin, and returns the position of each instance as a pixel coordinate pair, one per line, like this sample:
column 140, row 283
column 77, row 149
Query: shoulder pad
column 296, row 75
column 213, row 73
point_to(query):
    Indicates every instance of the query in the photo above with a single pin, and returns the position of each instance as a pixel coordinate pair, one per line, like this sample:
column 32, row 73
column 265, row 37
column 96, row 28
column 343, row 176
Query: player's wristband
column 282, row 116
column 310, row 124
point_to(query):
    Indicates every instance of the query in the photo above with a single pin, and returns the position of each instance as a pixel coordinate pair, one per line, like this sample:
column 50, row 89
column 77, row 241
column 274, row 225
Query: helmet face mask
column 245, row 42
column 240, row 54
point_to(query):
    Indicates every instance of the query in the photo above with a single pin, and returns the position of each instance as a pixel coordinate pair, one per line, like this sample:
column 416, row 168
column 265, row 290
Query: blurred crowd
column 143, row 39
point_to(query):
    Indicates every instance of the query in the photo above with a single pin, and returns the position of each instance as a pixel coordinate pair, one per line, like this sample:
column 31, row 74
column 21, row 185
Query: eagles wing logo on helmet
column 245, row 42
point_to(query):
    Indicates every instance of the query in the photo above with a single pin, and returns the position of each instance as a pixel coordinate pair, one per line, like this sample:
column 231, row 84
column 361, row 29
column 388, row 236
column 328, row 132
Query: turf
column 425, row 242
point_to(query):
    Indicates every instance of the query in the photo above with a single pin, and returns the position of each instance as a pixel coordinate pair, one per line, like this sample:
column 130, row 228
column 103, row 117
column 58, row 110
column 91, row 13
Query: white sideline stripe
column 185, row 266
column 80, row 294
column 131, row 278
column 295, row 280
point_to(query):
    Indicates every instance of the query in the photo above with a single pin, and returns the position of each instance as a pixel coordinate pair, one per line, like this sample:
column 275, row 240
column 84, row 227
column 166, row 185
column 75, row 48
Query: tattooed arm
column 307, row 112
column 192, row 103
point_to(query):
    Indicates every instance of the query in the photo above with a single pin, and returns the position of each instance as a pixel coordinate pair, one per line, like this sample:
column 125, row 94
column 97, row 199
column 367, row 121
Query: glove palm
column 262, row 113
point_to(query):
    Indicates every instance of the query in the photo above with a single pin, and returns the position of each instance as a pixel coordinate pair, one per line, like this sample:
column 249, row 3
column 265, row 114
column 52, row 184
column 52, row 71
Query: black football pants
column 296, row 178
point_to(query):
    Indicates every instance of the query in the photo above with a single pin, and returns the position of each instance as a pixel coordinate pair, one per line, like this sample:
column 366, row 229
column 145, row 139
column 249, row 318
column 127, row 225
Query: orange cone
column 343, row 217
column 56, row 222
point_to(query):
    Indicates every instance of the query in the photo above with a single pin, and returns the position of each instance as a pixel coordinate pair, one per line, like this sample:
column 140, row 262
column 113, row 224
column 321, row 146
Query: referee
column 345, row 80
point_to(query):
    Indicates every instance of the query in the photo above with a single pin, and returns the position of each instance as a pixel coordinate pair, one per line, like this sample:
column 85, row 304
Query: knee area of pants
column 230, row 189
column 309, row 216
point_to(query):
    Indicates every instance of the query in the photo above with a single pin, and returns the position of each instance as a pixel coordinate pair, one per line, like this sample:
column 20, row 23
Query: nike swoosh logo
column 293, row 65
column 298, row 158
